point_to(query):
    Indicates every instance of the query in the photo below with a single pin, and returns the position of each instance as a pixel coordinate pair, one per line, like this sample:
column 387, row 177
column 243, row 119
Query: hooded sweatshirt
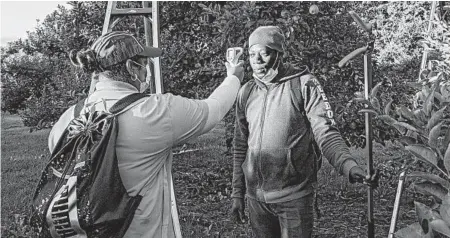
column 274, row 151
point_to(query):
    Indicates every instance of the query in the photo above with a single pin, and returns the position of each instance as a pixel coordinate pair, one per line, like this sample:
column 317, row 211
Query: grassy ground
column 203, row 185
column 22, row 157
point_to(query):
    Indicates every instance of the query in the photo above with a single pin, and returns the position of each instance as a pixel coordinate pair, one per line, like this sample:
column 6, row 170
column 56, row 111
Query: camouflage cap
column 116, row 46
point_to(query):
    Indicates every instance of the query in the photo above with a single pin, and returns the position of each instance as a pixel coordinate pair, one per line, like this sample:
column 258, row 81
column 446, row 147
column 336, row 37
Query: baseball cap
column 270, row 36
column 117, row 46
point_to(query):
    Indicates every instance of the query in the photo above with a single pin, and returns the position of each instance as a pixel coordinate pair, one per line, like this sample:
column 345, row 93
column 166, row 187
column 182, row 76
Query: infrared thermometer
column 233, row 55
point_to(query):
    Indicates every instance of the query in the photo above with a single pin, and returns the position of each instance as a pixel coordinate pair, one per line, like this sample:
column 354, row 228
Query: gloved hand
column 357, row 174
column 237, row 210
column 236, row 70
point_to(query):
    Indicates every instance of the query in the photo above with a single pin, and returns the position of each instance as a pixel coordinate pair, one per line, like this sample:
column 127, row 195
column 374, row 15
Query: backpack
column 296, row 93
column 80, row 193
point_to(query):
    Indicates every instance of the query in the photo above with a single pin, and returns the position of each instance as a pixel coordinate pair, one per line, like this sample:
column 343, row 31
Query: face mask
column 146, row 84
column 271, row 73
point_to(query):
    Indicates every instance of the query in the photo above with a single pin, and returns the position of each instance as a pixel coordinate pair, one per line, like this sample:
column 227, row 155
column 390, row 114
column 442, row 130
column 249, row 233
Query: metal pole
column 423, row 64
column 368, row 122
column 111, row 5
column 156, row 43
column 148, row 39
column 401, row 180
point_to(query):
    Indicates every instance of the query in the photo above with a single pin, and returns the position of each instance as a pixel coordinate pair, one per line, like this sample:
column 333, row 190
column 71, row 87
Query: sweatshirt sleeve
column 326, row 134
column 240, row 147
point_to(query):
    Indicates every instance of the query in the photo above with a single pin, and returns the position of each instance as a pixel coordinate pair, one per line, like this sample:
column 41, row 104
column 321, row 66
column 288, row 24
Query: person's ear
column 130, row 67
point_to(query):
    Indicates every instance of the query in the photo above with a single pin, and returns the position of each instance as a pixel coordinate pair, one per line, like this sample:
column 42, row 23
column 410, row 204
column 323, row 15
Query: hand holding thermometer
column 233, row 55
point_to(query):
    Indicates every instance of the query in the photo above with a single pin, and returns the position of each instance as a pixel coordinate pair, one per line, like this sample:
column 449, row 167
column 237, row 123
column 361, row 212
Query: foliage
column 195, row 36
column 424, row 132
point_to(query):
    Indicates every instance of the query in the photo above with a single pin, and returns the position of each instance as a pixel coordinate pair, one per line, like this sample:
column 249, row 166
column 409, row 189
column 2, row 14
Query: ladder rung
column 60, row 212
column 131, row 11
column 60, row 218
column 65, row 230
column 62, row 224
column 60, row 205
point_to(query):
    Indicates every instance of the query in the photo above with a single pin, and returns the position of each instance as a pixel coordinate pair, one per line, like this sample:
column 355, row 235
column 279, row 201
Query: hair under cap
column 116, row 47
column 270, row 36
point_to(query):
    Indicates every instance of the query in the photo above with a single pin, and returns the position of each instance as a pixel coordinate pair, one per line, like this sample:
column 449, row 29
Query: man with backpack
column 284, row 123
column 134, row 158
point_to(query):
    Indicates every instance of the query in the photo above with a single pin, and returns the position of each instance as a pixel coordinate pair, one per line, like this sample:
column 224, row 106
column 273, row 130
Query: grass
column 23, row 154
column 202, row 181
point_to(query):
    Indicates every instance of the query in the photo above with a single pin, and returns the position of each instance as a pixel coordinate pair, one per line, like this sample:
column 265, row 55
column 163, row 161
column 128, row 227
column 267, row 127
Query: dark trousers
column 287, row 219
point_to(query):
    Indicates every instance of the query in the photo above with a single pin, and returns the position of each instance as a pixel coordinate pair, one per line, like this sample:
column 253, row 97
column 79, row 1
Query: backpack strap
column 246, row 90
column 297, row 93
column 296, row 89
column 78, row 107
column 126, row 101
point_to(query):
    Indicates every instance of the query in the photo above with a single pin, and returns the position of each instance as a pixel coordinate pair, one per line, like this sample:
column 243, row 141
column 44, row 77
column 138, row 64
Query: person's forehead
column 259, row 48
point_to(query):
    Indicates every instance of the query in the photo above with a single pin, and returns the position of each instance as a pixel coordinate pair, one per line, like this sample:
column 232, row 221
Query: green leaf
column 434, row 135
column 420, row 115
column 406, row 125
column 447, row 159
column 433, row 189
column 39, row 124
column 424, row 216
column 375, row 104
column 362, row 100
column 445, row 91
column 406, row 113
column 412, row 231
column 428, row 104
column 444, row 209
column 387, row 119
column 446, row 140
column 423, row 153
column 373, row 93
column 367, row 110
column 407, row 140
column 359, row 95
column 387, row 109
column 430, row 177
column 435, row 78
column 439, row 97
column 440, row 226
column 415, row 85
column 436, row 118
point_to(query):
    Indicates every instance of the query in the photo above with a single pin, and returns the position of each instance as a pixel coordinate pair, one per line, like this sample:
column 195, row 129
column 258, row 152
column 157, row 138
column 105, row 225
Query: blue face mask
column 271, row 73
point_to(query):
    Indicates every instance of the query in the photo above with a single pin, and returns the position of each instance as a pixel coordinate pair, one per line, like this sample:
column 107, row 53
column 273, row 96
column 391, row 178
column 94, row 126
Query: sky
column 18, row 17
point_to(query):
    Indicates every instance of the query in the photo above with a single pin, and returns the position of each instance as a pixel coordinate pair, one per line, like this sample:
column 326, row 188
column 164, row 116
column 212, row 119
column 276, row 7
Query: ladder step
column 54, row 213
column 60, row 218
column 62, row 224
column 131, row 11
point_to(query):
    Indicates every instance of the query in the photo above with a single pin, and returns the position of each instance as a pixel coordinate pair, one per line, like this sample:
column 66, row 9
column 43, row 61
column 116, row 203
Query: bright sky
column 18, row 17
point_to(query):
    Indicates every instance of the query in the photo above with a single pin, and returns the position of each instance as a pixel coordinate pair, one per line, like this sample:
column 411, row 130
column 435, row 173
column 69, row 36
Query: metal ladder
column 151, row 20
column 151, row 27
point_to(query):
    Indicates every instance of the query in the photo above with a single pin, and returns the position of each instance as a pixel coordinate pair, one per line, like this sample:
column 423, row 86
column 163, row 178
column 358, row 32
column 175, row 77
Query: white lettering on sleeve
column 329, row 112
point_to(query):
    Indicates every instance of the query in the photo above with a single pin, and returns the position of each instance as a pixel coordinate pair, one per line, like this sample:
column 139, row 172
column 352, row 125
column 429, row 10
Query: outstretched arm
column 192, row 118
column 221, row 101
column 326, row 134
